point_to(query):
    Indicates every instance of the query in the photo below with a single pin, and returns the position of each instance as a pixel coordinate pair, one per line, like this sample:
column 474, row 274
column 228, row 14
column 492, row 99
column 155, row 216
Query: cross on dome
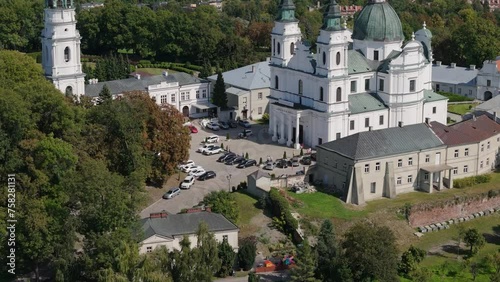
column 424, row 25
column 413, row 36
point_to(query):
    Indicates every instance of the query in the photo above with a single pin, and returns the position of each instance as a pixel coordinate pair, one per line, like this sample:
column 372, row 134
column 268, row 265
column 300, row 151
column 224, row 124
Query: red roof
column 469, row 131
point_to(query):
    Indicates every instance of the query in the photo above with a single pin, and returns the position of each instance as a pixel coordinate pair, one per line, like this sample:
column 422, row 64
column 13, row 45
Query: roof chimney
column 438, row 63
column 253, row 69
column 162, row 214
column 400, row 124
column 453, row 65
column 472, row 67
column 138, row 76
column 370, row 128
column 165, row 73
column 428, row 122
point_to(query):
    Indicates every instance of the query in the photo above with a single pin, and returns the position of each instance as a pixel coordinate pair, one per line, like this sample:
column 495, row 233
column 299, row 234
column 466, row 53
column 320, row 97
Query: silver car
column 172, row 193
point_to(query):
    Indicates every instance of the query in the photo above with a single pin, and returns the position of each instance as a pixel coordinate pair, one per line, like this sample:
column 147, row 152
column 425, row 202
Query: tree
column 305, row 264
column 331, row 266
column 247, row 253
column 206, row 71
column 219, row 96
column 371, row 252
column 105, row 94
column 474, row 240
column 206, row 260
column 224, row 203
column 410, row 260
column 227, row 257
column 252, row 277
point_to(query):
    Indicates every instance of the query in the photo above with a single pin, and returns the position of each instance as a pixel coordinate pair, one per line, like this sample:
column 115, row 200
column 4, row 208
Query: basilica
column 360, row 80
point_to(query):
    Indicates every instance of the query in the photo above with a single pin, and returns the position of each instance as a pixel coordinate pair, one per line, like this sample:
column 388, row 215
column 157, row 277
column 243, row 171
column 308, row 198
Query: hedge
column 181, row 69
column 280, row 206
column 455, row 97
column 469, row 181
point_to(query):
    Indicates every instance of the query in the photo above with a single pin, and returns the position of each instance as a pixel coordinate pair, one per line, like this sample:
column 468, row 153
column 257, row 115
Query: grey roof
column 358, row 63
column 244, row 78
column 185, row 223
column 385, row 142
column 456, row 75
column 236, row 91
column 133, row 84
column 491, row 106
column 384, row 66
column 431, row 96
column 258, row 174
column 364, row 102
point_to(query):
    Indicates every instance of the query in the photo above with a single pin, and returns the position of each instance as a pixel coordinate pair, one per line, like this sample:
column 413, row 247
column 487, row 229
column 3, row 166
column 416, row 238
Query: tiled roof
column 456, row 75
column 480, row 128
column 385, row 142
column 431, row 96
column 451, row 136
column 357, row 63
column 364, row 102
column 244, row 78
column 185, row 223
column 132, row 84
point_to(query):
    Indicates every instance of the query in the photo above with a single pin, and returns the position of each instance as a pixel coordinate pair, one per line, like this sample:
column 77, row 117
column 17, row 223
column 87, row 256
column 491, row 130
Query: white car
column 197, row 173
column 193, row 168
column 185, row 163
column 188, row 167
column 212, row 139
column 213, row 126
column 205, row 147
column 187, row 182
column 213, row 150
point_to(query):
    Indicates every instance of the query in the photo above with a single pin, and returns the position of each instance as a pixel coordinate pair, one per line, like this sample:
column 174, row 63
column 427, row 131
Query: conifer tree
column 306, row 264
column 105, row 94
column 219, row 96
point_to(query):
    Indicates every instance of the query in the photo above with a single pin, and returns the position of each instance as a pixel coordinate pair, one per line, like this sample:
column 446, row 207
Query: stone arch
column 339, row 94
column 292, row 48
column 278, row 46
column 185, row 111
column 488, row 95
column 69, row 91
column 337, row 58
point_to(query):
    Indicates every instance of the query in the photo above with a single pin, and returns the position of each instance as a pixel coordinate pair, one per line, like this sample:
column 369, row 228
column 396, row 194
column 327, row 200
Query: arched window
column 276, row 82
column 274, row 46
column 321, row 93
column 338, row 58
column 324, row 58
column 300, row 87
column 67, row 54
column 292, row 48
column 69, row 91
column 279, row 48
column 339, row 94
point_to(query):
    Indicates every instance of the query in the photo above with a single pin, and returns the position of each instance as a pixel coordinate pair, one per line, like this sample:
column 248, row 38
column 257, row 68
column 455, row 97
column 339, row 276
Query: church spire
column 331, row 17
column 286, row 11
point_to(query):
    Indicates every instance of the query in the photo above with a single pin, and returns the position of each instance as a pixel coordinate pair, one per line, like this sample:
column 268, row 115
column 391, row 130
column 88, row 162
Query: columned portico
column 297, row 132
column 433, row 177
column 289, row 142
column 282, row 139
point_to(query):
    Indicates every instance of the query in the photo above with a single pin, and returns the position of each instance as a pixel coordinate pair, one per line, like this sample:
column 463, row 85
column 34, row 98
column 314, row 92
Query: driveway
column 257, row 146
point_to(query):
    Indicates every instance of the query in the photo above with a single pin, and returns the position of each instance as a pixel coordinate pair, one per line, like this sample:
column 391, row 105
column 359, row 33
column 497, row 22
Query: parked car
column 235, row 160
column 269, row 166
column 207, row 175
column 187, row 182
column 230, row 159
column 188, row 167
column 313, row 156
column 281, row 163
column 193, row 168
column 185, row 163
column 244, row 123
column 245, row 133
column 212, row 139
column 247, row 164
column 306, row 160
column 212, row 125
column 223, row 125
column 196, row 173
column 172, row 193
column 233, row 124
column 213, row 150
column 205, row 147
column 225, row 156
column 193, row 129
column 294, row 162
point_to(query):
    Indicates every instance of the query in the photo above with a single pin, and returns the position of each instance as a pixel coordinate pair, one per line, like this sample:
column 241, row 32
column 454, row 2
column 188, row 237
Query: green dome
column 378, row 22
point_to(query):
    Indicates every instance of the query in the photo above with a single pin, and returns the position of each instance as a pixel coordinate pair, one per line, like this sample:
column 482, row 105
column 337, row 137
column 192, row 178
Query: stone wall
column 421, row 215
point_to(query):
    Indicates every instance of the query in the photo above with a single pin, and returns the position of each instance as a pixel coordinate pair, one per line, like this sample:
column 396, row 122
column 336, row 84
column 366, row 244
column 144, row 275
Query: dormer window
column 375, row 55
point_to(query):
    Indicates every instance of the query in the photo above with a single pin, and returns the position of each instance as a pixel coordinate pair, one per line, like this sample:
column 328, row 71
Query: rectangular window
column 381, row 85
column 337, row 136
column 400, row 163
column 259, row 96
column 172, row 98
column 367, row 84
column 367, row 168
column 455, row 170
column 351, row 125
column 433, row 110
column 456, row 154
column 353, row 86
column 437, row 87
column 373, row 187
column 381, row 120
column 488, row 145
column 410, row 178
column 187, row 96
column 345, row 167
column 410, row 161
column 183, row 96
column 377, row 166
column 320, row 141
column 426, row 176
column 399, row 181
column 487, row 161
column 481, row 164
column 466, row 168
column 466, row 152
column 343, row 185
column 259, row 110
column 149, row 249
column 367, row 122
column 204, row 93
column 482, row 147
column 163, row 99
column 335, row 164
column 375, row 55
column 412, row 85
column 427, row 158
column 197, row 94
column 488, row 83
column 224, row 237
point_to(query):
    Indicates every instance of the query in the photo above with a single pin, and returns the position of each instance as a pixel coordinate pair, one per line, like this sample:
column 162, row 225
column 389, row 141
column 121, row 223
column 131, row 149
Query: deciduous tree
column 410, row 260
column 224, row 203
column 474, row 240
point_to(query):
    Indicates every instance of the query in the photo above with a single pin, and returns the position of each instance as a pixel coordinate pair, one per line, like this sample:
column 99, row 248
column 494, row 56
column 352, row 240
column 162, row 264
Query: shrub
column 246, row 253
column 246, row 155
column 181, row 69
column 227, row 136
column 144, row 62
column 469, row 181
column 260, row 161
column 265, row 118
column 284, row 155
column 281, row 209
column 454, row 97
column 493, row 193
column 222, row 146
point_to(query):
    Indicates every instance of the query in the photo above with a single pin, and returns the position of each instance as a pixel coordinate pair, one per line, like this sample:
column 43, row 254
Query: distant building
column 350, row 10
column 91, row 5
column 162, row 229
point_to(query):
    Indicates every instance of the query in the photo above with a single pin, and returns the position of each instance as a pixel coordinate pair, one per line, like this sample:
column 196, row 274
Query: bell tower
column 285, row 34
column 61, row 48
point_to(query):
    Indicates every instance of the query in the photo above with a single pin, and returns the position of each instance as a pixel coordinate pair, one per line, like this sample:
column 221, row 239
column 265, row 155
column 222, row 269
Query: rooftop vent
column 138, row 76
column 453, row 65
column 438, row 63
column 472, row 67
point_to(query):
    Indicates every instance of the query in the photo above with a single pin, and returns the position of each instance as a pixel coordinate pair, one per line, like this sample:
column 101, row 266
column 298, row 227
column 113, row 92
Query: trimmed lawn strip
column 247, row 210
column 461, row 109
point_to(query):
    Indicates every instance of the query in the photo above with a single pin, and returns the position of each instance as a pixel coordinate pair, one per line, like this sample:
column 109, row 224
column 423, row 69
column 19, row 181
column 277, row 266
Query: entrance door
column 244, row 113
column 301, row 134
column 185, row 111
column 487, row 95
column 438, row 158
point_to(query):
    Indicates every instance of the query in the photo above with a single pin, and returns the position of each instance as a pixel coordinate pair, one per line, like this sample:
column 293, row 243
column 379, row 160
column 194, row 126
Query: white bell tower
column 61, row 48
column 285, row 34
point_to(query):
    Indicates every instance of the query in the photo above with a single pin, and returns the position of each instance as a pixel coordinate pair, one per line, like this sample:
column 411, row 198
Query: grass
column 154, row 71
column 461, row 109
column 247, row 210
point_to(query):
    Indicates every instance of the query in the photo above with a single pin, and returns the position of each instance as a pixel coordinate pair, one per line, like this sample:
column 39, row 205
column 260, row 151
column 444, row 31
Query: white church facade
column 355, row 81
column 61, row 47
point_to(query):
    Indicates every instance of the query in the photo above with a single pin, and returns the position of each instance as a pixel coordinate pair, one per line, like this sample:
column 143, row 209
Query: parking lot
column 258, row 145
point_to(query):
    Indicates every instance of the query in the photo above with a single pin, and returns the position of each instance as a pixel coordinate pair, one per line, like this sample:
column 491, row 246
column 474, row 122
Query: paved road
column 264, row 277
column 258, row 145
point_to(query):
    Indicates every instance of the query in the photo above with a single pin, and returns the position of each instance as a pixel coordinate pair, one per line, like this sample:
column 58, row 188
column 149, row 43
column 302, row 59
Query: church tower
column 285, row 34
column 61, row 48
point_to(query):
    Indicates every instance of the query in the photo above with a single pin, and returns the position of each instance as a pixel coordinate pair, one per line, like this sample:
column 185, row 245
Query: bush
column 469, row 181
column 454, row 97
column 246, row 253
column 280, row 208
column 144, row 62
column 265, row 118
column 493, row 193
column 181, row 69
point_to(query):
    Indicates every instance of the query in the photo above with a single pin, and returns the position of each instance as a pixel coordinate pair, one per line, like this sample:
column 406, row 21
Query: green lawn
column 320, row 205
column 154, row 71
column 461, row 109
column 247, row 210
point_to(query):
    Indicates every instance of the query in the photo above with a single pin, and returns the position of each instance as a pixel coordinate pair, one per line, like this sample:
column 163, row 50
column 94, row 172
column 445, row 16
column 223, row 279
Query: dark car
column 306, row 160
column 245, row 123
column 236, row 160
column 294, row 162
column 281, row 163
column 229, row 159
column 313, row 156
column 233, row 124
column 223, row 125
column 224, row 157
column 207, row 175
column 247, row 164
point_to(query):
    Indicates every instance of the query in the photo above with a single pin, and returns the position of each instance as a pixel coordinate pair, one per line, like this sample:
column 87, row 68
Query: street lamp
column 229, row 179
